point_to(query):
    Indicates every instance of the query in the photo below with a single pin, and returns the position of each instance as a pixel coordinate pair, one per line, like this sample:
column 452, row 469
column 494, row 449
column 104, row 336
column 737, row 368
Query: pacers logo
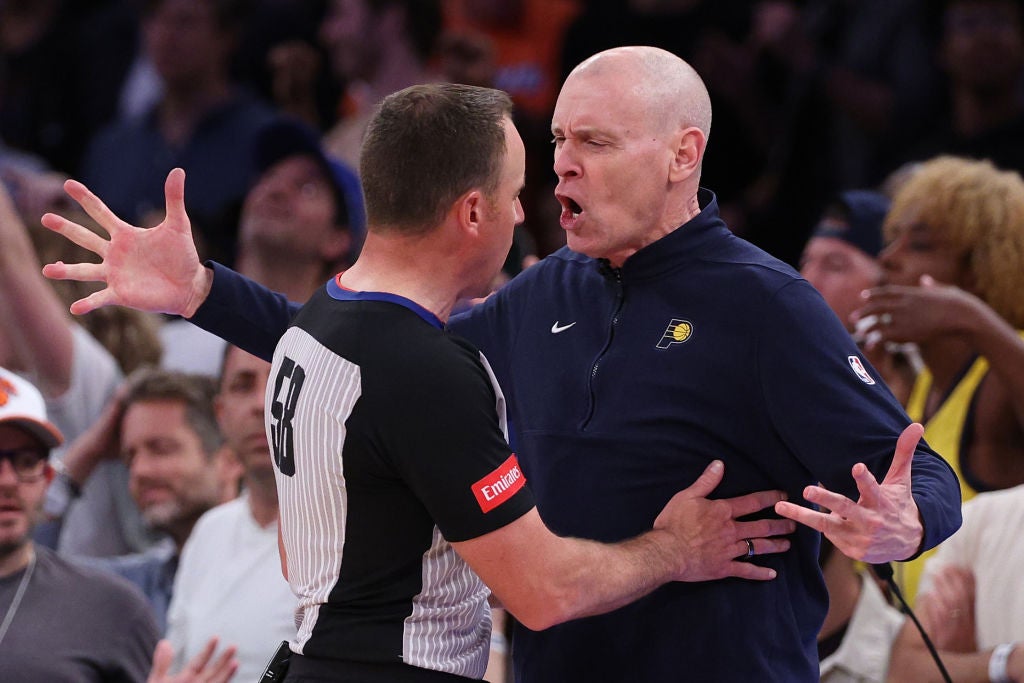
column 677, row 332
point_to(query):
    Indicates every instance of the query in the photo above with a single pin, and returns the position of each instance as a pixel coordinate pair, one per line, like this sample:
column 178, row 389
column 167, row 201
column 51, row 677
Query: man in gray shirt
column 60, row 622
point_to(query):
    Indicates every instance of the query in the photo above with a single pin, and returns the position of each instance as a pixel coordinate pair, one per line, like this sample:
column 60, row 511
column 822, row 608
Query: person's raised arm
column 34, row 322
column 155, row 269
column 912, row 663
column 101, row 441
column 544, row 579
column 946, row 612
column 837, row 420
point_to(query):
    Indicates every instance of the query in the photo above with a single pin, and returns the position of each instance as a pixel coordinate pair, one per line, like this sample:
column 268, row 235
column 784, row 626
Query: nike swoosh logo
column 556, row 328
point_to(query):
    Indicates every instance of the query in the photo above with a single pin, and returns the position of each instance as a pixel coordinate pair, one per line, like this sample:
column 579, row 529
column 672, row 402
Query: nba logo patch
column 858, row 369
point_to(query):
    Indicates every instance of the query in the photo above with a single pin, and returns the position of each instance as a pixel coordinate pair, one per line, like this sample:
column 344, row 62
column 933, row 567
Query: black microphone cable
column 884, row 572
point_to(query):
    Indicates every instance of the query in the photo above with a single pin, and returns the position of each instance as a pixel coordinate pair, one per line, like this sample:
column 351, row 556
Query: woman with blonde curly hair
column 953, row 275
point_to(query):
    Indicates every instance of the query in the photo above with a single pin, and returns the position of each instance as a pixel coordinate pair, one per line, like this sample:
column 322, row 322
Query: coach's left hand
column 884, row 524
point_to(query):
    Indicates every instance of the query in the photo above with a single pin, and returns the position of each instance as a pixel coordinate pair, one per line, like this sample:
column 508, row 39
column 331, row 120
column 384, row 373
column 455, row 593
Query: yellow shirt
column 944, row 433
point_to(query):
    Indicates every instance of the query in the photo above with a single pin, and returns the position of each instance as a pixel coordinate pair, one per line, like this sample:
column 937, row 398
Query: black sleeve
column 449, row 420
column 244, row 313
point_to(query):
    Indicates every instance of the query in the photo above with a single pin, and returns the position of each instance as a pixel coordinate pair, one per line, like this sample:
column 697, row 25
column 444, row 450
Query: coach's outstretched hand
column 884, row 524
column 151, row 269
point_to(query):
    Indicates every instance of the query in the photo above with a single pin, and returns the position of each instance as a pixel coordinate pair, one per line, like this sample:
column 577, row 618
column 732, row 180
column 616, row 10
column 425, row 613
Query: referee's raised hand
column 152, row 269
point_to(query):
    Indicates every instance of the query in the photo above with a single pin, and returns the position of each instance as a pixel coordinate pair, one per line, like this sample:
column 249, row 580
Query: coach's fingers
column 903, row 457
column 811, row 518
column 867, row 485
column 836, row 502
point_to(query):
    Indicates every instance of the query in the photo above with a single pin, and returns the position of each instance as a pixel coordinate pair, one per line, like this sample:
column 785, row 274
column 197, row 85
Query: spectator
column 869, row 65
column 38, row 80
column 164, row 427
column 840, row 261
column 117, row 75
column 971, row 599
column 279, row 56
column 92, row 511
column 981, row 51
column 203, row 668
column 953, row 273
column 61, row 622
column 860, row 625
column 527, row 40
column 202, row 122
column 297, row 228
column 376, row 47
column 229, row 582
column 302, row 221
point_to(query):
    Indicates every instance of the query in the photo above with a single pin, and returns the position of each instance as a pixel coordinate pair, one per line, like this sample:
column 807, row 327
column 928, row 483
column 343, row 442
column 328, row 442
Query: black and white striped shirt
column 389, row 438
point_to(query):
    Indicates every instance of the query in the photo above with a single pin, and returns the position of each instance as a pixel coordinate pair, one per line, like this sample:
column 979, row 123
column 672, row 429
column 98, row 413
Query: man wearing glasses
column 58, row 621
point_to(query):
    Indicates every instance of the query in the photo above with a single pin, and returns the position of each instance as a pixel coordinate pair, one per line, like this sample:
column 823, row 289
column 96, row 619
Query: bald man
column 658, row 340
column 655, row 342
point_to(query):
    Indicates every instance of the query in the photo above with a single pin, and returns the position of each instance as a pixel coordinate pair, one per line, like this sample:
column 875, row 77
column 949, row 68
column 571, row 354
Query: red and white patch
column 499, row 485
column 858, row 368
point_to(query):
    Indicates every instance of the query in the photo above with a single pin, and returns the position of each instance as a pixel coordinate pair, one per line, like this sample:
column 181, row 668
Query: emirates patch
column 499, row 485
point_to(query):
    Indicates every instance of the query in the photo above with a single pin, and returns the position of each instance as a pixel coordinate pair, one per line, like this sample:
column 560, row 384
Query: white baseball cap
column 23, row 405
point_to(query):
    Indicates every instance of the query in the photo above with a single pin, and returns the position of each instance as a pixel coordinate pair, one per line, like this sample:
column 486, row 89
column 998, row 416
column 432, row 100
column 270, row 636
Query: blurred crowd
column 810, row 97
